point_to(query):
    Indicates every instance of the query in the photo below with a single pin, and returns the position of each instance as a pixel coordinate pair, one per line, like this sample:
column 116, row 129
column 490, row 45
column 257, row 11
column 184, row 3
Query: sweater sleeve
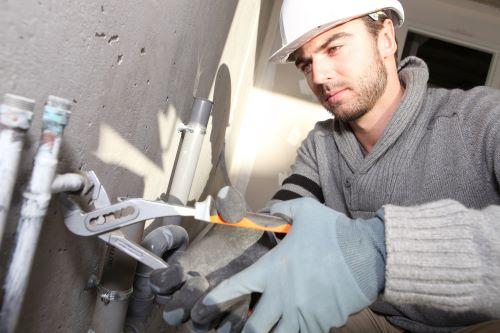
column 304, row 179
column 444, row 254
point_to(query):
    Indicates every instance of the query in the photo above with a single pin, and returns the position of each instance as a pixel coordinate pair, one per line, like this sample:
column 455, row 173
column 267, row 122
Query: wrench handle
column 257, row 221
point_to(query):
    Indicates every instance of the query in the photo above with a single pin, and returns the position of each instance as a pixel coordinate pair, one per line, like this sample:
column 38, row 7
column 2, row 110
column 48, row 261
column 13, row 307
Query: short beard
column 370, row 89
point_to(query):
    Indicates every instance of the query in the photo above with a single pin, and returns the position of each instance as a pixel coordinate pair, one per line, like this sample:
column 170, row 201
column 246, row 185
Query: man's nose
column 322, row 71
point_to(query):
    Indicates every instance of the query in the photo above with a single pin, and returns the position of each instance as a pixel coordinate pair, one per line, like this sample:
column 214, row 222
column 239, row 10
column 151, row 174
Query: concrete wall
column 131, row 69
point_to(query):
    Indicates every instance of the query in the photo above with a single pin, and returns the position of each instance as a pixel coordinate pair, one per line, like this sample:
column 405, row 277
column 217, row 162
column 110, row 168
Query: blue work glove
column 327, row 268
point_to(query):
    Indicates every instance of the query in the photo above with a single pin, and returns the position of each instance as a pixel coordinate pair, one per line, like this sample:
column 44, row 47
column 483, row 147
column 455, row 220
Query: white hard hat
column 302, row 20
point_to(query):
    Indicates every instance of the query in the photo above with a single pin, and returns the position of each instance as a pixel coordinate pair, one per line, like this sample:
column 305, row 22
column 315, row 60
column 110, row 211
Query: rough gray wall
column 120, row 61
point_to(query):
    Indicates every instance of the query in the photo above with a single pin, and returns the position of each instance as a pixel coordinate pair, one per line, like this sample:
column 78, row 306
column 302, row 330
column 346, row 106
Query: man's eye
column 334, row 49
column 306, row 68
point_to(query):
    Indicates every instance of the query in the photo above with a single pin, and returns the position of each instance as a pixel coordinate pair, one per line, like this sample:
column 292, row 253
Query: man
column 394, row 202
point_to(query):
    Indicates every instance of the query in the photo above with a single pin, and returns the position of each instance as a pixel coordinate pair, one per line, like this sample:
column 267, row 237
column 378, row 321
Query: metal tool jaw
column 106, row 219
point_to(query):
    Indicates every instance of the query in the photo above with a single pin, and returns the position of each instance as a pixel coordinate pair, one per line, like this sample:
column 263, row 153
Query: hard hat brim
column 283, row 54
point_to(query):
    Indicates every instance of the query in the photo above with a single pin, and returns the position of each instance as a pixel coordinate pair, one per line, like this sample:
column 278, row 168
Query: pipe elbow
column 166, row 238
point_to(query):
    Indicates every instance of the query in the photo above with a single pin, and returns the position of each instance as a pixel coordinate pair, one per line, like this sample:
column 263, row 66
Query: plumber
column 395, row 201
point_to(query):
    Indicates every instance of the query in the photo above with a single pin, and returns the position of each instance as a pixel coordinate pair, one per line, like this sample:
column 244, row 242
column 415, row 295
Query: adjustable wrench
column 106, row 219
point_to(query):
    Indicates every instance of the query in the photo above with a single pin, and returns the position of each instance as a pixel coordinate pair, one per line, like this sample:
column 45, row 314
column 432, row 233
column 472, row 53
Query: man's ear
column 387, row 45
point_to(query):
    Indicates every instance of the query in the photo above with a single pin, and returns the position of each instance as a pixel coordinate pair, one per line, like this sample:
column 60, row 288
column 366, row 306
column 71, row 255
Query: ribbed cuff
column 432, row 257
column 363, row 248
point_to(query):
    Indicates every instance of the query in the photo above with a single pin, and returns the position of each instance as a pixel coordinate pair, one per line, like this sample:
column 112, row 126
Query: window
column 450, row 65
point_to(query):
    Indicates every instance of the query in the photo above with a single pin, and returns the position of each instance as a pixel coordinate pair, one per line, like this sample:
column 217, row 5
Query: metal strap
column 107, row 295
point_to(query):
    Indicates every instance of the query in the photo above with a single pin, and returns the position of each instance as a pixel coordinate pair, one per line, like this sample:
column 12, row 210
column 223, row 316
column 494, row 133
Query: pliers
column 106, row 219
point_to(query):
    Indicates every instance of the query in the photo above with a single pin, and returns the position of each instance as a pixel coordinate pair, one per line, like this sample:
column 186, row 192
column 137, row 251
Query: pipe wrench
column 107, row 218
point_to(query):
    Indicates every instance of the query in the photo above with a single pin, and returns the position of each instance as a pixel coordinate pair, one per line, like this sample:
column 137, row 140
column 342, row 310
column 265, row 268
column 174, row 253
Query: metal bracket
column 186, row 128
column 107, row 295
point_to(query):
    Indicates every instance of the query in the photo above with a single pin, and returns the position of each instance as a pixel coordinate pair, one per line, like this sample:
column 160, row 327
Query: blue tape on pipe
column 56, row 115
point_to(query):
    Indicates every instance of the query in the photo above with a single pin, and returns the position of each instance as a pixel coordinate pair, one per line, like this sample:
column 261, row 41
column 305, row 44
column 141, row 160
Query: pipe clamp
column 190, row 129
column 107, row 295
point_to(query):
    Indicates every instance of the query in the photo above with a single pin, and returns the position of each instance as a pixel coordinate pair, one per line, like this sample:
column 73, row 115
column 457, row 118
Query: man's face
column 344, row 69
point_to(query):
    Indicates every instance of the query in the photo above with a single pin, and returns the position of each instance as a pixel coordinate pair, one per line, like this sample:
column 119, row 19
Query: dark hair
column 374, row 26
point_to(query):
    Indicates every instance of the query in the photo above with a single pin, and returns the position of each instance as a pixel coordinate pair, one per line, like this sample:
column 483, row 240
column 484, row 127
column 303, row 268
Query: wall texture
column 131, row 69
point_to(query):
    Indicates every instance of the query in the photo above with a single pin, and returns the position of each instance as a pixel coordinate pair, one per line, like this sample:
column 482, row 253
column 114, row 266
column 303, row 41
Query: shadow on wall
column 218, row 176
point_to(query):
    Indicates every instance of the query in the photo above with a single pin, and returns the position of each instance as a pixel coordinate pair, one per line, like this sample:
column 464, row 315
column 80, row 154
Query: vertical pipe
column 182, row 180
column 117, row 277
column 189, row 153
column 35, row 203
column 15, row 119
column 190, row 150
column 115, row 286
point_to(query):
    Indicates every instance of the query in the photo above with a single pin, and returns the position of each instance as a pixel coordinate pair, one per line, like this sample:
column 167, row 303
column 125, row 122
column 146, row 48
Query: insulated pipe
column 35, row 203
column 116, row 284
column 158, row 241
column 16, row 113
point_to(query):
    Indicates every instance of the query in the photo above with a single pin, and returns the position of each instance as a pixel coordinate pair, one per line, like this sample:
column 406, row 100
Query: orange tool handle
column 257, row 221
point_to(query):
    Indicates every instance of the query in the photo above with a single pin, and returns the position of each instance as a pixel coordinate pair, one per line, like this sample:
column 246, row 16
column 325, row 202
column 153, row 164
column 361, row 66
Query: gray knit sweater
column 436, row 172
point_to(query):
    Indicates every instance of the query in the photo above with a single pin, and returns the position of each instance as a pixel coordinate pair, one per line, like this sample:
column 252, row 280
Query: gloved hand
column 221, row 253
column 326, row 268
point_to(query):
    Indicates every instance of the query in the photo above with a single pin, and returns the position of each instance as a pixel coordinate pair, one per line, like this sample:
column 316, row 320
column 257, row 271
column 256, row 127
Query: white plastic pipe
column 35, row 203
column 190, row 150
column 16, row 113
column 68, row 182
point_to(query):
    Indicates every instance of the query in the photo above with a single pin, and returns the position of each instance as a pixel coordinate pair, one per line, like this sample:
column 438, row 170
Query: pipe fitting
column 159, row 241
column 16, row 112
column 68, row 182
